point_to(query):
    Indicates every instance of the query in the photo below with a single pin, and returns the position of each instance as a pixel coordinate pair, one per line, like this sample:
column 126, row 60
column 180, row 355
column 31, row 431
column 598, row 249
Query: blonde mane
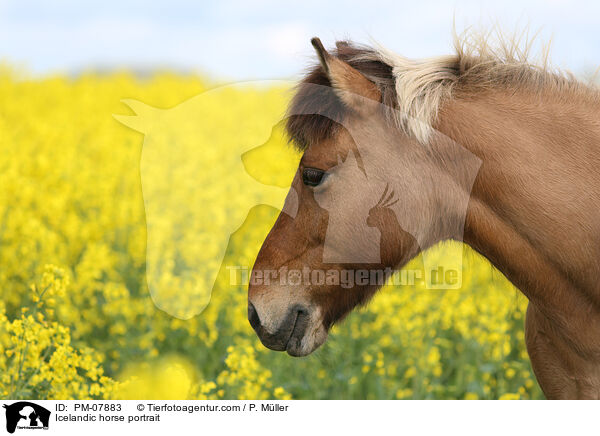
column 480, row 62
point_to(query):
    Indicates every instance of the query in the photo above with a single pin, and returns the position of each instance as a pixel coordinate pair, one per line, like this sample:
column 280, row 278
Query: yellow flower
column 281, row 394
column 403, row 393
column 509, row 396
column 410, row 372
column 433, row 356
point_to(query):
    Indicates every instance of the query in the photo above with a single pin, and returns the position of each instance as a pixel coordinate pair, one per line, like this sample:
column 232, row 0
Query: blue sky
column 266, row 39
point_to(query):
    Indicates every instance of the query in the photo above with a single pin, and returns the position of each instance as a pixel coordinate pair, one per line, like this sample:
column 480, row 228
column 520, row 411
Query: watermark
column 25, row 415
column 195, row 201
column 307, row 277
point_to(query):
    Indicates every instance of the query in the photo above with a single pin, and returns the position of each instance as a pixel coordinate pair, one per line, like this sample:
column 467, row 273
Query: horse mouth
column 294, row 344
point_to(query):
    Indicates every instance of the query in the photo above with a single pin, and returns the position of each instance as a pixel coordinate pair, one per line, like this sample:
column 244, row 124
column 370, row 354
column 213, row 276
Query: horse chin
column 313, row 339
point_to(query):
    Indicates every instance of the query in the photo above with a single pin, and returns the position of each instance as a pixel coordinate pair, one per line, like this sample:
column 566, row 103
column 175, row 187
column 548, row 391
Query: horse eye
column 312, row 176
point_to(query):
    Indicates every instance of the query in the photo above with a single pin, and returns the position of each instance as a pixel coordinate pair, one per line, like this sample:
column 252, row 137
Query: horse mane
column 414, row 90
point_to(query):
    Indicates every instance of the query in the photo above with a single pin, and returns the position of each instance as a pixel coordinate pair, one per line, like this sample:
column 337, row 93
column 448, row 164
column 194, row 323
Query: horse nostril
column 253, row 317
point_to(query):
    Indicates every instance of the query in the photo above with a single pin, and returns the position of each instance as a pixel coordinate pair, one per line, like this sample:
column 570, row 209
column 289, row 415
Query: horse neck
column 526, row 208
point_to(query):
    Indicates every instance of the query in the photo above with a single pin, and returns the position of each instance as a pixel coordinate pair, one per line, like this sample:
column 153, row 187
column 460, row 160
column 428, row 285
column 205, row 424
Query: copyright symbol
column 140, row 407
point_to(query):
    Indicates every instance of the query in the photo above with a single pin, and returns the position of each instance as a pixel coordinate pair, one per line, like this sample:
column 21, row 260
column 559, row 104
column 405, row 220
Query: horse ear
column 351, row 86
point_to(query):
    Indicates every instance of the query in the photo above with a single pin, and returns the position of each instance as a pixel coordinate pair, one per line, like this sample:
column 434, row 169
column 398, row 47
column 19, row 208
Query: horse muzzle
column 289, row 334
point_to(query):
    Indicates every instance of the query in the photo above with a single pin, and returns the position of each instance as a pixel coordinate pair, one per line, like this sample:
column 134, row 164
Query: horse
column 484, row 147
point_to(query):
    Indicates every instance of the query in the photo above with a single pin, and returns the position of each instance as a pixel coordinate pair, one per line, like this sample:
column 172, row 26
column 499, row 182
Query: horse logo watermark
column 181, row 212
column 25, row 415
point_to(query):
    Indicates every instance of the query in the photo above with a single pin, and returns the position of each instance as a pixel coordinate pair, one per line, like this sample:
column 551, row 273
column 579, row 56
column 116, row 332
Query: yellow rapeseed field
column 77, row 319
